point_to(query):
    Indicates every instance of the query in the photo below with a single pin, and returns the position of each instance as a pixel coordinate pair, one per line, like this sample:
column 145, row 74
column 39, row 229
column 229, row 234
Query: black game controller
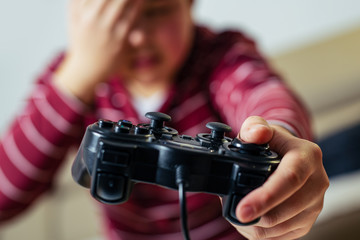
column 114, row 155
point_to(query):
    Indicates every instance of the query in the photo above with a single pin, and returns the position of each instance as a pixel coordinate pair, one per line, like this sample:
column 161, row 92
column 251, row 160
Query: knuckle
column 270, row 220
column 316, row 151
column 259, row 233
column 266, row 198
column 297, row 233
column 295, row 177
column 326, row 183
column 317, row 208
column 306, row 229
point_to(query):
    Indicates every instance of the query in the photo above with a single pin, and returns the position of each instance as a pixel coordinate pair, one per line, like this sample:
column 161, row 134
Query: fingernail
column 247, row 213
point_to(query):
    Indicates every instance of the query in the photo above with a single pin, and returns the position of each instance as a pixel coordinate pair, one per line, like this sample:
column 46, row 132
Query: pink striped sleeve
column 244, row 85
column 35, row 144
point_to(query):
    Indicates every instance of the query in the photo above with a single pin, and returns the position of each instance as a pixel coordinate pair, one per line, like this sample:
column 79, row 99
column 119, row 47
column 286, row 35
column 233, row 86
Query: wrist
column 73, row 79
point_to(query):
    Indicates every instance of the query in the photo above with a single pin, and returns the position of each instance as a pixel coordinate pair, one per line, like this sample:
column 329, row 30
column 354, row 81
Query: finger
column 130, row 18
column 121, row 13
column 293, row 228
column 306, row 197
column 256, row 130
column 290, row 175
column 81, row 3
column 96, row 7
column 113, row 11
column 92, row 6
column 75, row 6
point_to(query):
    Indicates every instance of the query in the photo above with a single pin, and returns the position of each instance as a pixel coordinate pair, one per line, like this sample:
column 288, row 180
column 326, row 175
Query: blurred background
column 315, row 45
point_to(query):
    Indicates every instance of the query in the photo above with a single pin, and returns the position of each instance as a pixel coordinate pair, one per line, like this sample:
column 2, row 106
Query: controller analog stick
column 218, row 130
column 237, row 144
column 157, row 119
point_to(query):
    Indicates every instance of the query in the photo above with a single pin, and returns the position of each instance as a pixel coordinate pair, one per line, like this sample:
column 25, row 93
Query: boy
column 127, row 57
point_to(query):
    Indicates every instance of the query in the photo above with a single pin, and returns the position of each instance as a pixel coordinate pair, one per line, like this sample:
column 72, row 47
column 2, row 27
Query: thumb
column 256, row 130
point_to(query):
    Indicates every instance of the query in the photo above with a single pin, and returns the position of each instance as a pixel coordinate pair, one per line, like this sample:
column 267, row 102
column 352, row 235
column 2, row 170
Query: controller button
column 103, row 123
column 204, row 139
column 166, row 136
column 115, row 157
column 110, row 187
column 142, row 130
column 249, row 180
column 125, row 123
column 221, row 151
column 186, row 137
column 122, row 129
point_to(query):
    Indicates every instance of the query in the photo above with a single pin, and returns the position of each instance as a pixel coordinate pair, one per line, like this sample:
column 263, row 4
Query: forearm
column 269, row 99
column 34, row 146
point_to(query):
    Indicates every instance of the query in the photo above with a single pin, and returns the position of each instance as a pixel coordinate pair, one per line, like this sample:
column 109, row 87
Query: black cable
column 181, row 180
column 183, row 211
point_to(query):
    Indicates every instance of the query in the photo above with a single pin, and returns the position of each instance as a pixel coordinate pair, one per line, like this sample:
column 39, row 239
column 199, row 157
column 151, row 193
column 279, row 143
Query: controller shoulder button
column 249, row 180
column 115, row 157
column 110, row 187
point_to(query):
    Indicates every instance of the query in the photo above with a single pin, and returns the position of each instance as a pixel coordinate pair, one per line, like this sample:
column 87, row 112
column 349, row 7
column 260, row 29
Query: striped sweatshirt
column 223, row 79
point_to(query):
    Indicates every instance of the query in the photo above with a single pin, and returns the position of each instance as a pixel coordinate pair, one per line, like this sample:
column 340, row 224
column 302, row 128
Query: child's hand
column 292, row 198
column 97, row 35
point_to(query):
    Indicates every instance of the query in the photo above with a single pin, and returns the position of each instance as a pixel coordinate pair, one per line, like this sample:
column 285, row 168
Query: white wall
column 279, row 25
column 31, row 32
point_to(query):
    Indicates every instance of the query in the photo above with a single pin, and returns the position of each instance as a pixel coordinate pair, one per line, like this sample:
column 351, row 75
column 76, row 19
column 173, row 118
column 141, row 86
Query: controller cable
column 182, row 182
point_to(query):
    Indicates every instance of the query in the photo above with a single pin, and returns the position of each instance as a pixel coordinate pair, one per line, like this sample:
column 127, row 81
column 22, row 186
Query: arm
column 292, row 198
column 35, row 144
column 98, row 32
column 37, row 141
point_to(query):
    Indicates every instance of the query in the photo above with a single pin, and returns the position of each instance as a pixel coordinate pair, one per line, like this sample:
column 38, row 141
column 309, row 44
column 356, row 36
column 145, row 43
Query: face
column 158, row 42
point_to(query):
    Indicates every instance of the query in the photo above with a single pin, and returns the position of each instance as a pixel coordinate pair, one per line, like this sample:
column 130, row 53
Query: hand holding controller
column 114, row 155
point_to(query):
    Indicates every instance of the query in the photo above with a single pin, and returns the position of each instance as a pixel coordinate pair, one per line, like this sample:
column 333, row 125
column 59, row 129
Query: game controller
column 114, row 155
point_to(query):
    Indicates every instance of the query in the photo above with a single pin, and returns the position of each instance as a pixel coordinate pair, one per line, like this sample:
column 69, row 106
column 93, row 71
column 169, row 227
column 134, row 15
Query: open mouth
column 145, row 62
